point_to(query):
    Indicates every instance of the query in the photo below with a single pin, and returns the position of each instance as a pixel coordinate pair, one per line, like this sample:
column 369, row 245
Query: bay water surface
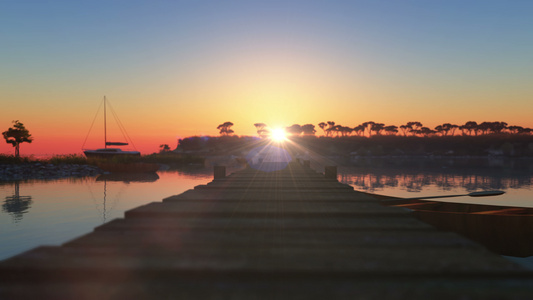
column 51, row 212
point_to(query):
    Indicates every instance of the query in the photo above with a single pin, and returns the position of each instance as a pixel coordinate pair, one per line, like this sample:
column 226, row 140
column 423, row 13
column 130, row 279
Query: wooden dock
column 290, row 234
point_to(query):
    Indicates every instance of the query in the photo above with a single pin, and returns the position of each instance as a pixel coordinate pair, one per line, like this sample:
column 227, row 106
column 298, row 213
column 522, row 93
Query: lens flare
column 278, row 134
column 268, row 158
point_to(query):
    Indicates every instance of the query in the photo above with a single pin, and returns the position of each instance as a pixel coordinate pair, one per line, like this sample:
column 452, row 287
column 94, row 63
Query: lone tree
column 225, row 128
column 16, row 135
column 164, row 148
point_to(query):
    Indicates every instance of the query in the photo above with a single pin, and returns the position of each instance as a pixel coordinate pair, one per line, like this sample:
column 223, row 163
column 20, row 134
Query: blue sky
column 279, row 62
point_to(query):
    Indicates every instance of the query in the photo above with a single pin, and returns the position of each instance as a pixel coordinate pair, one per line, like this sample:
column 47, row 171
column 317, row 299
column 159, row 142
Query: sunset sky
column 173, row 69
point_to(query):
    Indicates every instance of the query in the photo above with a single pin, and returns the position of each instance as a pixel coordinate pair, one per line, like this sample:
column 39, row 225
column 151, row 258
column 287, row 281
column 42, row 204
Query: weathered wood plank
column 283, row 287
column 257, row 223
column 260, row 208
column 272, row 194
column 316, row 261
column 164, row 238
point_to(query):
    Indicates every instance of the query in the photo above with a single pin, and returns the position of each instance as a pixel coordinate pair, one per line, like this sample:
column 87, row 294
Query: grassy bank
column 169, row 159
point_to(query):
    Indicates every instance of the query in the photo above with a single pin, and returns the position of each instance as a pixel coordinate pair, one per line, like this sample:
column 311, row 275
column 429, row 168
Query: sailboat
column 107, row 152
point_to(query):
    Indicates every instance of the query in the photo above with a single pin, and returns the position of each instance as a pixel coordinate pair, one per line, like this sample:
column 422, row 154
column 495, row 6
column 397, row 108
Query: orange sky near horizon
column 181, row 68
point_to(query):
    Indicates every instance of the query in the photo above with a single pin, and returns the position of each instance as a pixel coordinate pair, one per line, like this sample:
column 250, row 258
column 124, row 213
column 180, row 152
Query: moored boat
column 110, row 152
column 505, row 230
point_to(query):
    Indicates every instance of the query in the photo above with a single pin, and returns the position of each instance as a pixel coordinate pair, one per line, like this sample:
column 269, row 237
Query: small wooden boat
column 505, row 230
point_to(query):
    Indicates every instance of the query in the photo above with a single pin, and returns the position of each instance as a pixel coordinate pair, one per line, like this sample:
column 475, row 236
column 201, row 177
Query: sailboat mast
column 105, row 124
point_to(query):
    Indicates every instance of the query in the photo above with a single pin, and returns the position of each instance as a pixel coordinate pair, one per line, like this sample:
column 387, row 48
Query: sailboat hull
column 109, row 153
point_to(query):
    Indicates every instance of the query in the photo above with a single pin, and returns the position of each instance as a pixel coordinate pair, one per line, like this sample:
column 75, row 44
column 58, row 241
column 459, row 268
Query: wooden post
column 219, row 172
column 330, row 172
column 307, row 163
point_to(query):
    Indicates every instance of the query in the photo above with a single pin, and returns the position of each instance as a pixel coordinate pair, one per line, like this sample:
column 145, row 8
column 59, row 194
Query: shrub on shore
column 12, row 159
column 67, row 159
column 166, row 158
column 56, row 160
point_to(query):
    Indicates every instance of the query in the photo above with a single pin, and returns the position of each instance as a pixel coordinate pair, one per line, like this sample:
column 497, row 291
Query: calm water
column 410, row 177
column 41, row 212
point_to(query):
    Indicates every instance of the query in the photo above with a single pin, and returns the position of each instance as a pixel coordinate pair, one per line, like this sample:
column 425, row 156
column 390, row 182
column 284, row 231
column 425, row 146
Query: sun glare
column 278, row 134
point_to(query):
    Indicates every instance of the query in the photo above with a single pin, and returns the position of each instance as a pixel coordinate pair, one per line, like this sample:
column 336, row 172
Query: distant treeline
column 368, row 129
column 503, row 144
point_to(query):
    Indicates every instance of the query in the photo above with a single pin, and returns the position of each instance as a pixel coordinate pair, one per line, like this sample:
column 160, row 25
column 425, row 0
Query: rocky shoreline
column 37, row 170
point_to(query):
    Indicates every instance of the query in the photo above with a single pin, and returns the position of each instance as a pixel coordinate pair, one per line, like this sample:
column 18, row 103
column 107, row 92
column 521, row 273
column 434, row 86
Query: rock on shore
column 36, row 170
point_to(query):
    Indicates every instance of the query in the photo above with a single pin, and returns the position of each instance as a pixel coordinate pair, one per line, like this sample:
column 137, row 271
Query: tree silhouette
column 343, row 130
column 446, row 129
column 405, row 129
column 225, row 128
column 262, row 130
column 484, row 127
column 308, row 129
column 497, row 127
column 16, row 135
column 163, row 148
column 323, row 126
column 425, row 131
column 359, row 130
column 294, row 130
column 330, row 129
column 413, row 127
column 391, row 129
column 368, row 126
column 377, row 128
column 440, row 129
column 449, row 129
column 515, row 129
column 526, row 131
column 469, row 128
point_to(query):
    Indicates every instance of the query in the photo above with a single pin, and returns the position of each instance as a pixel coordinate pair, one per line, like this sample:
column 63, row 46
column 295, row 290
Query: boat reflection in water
column 502, row 229
column 125, row 178
column 129, row 177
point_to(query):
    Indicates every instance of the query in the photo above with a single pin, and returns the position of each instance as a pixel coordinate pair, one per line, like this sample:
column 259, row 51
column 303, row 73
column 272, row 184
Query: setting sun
column 278, row 134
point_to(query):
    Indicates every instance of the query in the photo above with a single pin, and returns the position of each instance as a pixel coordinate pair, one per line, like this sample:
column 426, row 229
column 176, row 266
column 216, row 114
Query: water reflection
column 17, row 205
column 65, row 208
column 126, row 178
column 413, row 175
column 375, row 181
